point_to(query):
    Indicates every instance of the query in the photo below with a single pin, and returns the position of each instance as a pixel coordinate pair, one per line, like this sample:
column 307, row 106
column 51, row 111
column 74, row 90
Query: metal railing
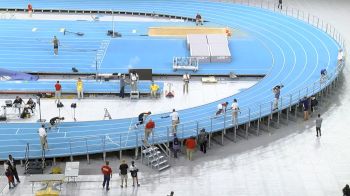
column 257, row 115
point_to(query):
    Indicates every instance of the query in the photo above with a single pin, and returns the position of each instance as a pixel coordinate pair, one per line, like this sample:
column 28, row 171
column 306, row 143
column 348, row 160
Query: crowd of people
column 123, row 173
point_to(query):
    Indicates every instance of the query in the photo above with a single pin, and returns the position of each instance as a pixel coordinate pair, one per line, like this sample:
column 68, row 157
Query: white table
column 46, row 178
column 71, row 171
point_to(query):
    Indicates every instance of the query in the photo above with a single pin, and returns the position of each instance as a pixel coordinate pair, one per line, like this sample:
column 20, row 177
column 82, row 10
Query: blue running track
column 299, row 51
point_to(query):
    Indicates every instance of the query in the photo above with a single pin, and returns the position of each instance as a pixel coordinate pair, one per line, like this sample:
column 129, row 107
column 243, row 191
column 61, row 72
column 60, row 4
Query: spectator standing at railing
column 123, row 172
column 277, row 91
column 313, row 103
column 133, row 171
column 203, row 140
column 149, row 129
column 58, row 90
column 43, row 138
column 235, row 109
column 107, row 175
column 306, row 103
column 80, row 89
column 190, row 147
column 324, row 75
column 30, row 9
column 12, row 165
column 176, row 145
column 280, row 4
column 340, row 56
column 175, row 120
column 318, row 125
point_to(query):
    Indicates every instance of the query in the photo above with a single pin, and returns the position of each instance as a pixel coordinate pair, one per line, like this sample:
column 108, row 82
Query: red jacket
column 58, row 87
column 106, row 170
column 191, row 143
column 150, row 125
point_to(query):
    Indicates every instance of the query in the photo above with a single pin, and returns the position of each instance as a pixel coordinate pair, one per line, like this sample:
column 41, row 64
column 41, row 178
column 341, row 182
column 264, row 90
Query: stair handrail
column 26, row 154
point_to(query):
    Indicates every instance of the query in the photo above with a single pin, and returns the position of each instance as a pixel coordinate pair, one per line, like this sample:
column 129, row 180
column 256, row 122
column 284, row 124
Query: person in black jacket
column 346, row 190
column 12, row 165
column 280, row 4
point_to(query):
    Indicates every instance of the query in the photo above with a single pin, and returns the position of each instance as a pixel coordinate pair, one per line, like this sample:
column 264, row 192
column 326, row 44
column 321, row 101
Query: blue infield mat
column 26, row 46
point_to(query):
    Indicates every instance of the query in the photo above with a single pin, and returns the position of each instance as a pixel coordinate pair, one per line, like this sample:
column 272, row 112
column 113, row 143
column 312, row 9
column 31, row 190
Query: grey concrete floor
column 289, row 161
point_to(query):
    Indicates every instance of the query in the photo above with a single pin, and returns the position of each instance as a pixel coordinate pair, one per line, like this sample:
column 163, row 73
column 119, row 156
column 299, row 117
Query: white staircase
column 153, row 157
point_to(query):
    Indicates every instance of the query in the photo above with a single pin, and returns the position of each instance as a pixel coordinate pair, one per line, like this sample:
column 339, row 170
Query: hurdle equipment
column 184, row 31
column 169, row 92
column 185, row 63
column 107, row 115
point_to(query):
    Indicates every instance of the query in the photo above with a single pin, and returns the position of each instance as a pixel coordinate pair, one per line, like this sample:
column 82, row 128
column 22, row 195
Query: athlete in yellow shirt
column 154, row 89
column 80, row 89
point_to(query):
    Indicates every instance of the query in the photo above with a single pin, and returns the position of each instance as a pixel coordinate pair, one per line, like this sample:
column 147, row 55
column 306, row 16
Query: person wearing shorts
column 58, row 90
column 123, row 167
column 56, row 43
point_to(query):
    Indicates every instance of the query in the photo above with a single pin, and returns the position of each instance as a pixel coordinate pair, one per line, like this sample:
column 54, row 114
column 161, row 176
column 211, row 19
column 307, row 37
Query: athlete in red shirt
column 30, row 10
column 58, row 89
column 149, row 129
column 107, row 174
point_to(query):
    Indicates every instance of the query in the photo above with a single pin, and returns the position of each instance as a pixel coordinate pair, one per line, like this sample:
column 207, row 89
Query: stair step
column 160, row 163
column 156, row 159
column 164, row 167
column 150, row 149
column 149, row 156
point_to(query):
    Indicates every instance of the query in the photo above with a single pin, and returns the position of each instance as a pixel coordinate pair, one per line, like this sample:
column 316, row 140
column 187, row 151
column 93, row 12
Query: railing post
column 104, row 147
column 258, row 128
column 87, row 151
column 137, row 145
column 269, row 118
column 120, row 147
column 290, row 107
column 197, row 128
column 168, row 139
column 298, row 14
column 249, row 116
column 279, row 111
column 211, row 131
column 153, row 135
column 224, row 132
column 70, row 149
column 308, row 18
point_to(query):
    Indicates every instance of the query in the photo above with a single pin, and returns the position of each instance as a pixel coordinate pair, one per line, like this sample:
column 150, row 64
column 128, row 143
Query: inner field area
column 33, row 52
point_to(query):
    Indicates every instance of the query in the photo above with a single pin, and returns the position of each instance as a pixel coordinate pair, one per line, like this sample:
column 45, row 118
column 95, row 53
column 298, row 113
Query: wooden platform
column 183, row 31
